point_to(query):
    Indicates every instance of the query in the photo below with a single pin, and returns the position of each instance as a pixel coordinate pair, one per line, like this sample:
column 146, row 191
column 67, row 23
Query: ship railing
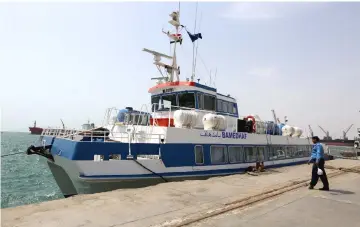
column 57, row 132
column 264, row 127
column 264, row 124
column 103, row 135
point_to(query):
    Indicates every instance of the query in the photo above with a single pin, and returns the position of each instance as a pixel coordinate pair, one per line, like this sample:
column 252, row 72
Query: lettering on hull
column 230, row 135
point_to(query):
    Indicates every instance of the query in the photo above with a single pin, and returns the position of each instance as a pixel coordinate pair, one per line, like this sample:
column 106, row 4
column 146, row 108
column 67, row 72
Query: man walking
column 317, row 158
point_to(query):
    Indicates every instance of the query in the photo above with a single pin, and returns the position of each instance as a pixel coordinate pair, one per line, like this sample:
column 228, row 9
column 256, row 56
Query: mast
column 193, row 59
column 171, row 70
column 176, row 23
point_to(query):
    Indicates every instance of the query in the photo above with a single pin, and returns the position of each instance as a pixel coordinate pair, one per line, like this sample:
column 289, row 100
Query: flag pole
column 193, row 59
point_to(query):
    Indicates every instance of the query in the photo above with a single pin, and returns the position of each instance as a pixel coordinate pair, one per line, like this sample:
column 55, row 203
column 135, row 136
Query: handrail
column 70, row 134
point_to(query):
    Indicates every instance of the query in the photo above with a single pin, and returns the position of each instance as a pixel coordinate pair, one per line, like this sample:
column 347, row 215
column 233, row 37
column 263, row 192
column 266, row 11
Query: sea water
column 25, row 179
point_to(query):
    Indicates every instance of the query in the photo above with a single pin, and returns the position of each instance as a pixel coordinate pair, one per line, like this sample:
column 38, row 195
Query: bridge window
column 155, row 102
column 199, row 155
column 170, row 98
column 225, row 106
column 219, row 105
column 236, row 154
column 218, row 154
column 200, row 101
column 187, row 100
column 209, row 102
column 234, row 108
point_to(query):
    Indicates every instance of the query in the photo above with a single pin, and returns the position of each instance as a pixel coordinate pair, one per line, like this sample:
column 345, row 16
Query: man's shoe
column 324, row 189
column 311, row 187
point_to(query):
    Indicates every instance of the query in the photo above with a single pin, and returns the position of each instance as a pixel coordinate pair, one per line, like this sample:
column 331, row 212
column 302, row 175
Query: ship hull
column 35, row 130
column 349, row 143
column 77, row 171
column 72, row 183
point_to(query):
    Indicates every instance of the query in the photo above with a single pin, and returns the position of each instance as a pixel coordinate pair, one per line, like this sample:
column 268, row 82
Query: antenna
column 215, row 76
column 210, row 78
column 197, row 45
column 193, row 59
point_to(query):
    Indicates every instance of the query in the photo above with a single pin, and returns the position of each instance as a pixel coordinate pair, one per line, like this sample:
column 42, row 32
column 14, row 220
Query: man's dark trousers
column 315, row 176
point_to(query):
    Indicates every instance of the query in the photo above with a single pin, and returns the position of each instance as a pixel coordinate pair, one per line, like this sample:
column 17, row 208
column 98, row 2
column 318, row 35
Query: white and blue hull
column 77, row 171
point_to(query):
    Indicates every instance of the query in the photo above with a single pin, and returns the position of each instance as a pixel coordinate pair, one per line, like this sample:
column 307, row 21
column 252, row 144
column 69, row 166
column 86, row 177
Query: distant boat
column 35, row 130
column 88, row 126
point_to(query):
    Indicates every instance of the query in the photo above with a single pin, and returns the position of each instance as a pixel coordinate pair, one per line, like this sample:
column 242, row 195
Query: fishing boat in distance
column 35, row 130
column 188, row 131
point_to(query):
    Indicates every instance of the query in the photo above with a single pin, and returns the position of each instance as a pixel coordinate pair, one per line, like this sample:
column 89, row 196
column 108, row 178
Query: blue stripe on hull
column 172, row 155
column 191, row 173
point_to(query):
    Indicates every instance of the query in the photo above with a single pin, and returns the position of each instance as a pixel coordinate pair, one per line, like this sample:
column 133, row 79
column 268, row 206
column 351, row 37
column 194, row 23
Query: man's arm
column 318, row 153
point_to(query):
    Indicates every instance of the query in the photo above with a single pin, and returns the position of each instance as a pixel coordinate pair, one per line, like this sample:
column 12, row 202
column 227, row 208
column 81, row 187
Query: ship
column 187, row 131
column 35, row 130
column 344, row 141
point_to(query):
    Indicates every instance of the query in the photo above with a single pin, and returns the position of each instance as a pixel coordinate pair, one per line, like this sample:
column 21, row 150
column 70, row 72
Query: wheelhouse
column 191, row 95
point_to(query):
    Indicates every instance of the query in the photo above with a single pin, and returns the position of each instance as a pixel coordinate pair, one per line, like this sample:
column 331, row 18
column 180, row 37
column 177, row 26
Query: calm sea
column 25, row 179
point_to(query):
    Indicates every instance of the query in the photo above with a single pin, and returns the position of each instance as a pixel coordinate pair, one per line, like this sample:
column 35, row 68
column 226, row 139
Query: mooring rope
column 13, row 154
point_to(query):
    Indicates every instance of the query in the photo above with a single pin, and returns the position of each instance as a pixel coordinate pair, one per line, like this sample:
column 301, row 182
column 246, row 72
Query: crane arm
column 322, row 129
column 311, row 131
column 274, row 115
column 348, row 129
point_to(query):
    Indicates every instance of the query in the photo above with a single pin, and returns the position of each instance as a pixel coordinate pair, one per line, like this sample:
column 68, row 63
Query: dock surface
column 275, row 197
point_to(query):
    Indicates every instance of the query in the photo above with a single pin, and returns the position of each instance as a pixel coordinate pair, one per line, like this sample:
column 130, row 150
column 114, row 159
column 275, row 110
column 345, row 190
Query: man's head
column 315, row 139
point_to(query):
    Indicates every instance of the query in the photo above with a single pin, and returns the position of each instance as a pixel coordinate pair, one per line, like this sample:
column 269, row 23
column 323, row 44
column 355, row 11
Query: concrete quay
column 243, row 199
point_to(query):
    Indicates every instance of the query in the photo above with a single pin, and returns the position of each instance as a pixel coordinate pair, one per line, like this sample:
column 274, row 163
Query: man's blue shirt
column 317, row 152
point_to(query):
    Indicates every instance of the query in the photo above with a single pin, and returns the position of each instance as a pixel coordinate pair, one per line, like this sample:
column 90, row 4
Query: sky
column 71, row 61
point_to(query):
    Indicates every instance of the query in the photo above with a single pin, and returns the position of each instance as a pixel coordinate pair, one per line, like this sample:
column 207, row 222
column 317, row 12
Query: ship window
column 209, row 102
column 98, row 158
column 310, row 149
column 234, row 108
column 200, row 100
column 155, row 100
column 290, row 152
column 225, row 106
column 236, row 154
column 261, row 154
column 250, row 154
column 299, row 152
column 276, row 153
column 231, row 108
column 170, row 98
column 219, row 105
column 218, row 154
column 199, row 155
column 145, row 119
column 187, row 100
column 114, row 157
